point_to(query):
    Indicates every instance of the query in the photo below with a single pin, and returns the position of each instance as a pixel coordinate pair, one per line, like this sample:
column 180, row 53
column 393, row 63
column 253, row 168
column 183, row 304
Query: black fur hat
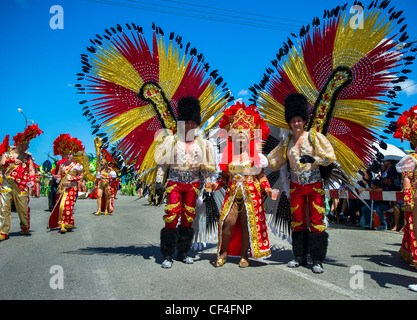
column 189, row 109
column 296, row 105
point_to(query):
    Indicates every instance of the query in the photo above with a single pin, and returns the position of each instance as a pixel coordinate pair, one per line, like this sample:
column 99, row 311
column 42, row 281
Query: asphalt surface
column 117, row 257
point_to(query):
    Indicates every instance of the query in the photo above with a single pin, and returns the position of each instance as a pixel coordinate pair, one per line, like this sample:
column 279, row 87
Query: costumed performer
column 105, row 191
column 305, row 151
column 187, row 156
column 242, row 229
column 407, row 130
column 68, row 175
column 18, row 178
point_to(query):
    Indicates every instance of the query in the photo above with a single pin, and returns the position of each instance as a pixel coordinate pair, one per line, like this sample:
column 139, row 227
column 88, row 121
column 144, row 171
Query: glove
column 307, row 159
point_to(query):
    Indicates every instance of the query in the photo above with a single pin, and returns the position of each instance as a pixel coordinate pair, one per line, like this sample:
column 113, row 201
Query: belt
column 184, row 176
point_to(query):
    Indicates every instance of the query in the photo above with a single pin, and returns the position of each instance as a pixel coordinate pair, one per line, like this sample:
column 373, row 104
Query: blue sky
column 238, row 37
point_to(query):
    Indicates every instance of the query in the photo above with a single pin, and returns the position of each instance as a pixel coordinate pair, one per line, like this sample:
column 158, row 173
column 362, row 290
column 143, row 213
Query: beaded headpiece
column 105, row 154
column 31, row 132
column 65, row 144
column 240, row 118
column 407, row 126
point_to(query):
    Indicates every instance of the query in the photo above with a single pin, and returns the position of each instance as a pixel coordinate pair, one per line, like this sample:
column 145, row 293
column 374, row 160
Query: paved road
column 117, row 257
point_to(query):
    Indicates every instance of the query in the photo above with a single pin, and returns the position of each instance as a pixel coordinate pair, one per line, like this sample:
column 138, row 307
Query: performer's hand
column 214, row 186
column 208, row 186
column 273, row 194
column 307, row 159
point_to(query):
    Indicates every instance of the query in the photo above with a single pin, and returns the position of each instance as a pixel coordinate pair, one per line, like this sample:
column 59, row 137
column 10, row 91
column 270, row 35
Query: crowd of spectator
column 387, row 215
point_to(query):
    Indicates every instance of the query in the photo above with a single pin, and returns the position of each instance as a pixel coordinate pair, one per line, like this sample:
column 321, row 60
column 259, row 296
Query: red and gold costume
column 306, row 189
column 18, row 177
column 186, row 165
column 345, row 74
column 407, row 130
column 36, row 191
column 105, row 181
column 147, row 103
column 246, row 183
column 62, row 213
column 305, row 179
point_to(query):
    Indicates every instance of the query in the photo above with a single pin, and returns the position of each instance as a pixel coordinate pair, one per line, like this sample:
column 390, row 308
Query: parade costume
column 69, row 175
column 105, row 180
column 407, row 166
column 246, row 184
column 344, row 70
column 139, row 87
column 19, row 177
column 185, row 168
column 36, row 190
column 306, row 184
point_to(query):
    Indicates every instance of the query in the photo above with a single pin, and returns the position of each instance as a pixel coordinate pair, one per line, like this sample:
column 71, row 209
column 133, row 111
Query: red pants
column 313, row 195
column 181, row 199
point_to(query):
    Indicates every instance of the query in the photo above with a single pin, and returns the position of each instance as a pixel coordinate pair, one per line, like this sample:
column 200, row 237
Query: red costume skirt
column 256, row 220
column 62, row 214
column 408, row 250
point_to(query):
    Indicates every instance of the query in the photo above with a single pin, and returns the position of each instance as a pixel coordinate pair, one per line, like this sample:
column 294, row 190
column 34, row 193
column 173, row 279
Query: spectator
column 394, row 210
column 378, row 205
column 355, row 205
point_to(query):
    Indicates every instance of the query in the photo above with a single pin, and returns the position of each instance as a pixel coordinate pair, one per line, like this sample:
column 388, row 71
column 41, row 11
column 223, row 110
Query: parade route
column 117, row 257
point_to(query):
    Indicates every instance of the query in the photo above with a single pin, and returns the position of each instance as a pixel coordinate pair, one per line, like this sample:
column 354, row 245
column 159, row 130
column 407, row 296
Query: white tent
column 391, row 153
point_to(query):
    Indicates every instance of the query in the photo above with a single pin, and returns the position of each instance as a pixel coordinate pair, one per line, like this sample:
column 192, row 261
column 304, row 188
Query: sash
column 72, row 165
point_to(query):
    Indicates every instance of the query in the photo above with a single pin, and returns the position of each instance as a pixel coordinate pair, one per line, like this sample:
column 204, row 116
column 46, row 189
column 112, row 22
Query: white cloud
column 409, row 87
column 243, row 93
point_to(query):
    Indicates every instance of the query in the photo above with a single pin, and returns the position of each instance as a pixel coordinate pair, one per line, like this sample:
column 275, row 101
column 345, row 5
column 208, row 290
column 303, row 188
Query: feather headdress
column 137, row 85
column 31, row 132
column 65, row 144
column 346, row 70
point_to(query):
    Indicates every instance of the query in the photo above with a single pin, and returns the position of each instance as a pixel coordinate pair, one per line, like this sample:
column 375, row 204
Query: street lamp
column 26, row 120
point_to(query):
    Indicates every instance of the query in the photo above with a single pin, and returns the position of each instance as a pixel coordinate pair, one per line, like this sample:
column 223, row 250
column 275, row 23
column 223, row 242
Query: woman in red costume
column 105, row 190
column 69, row 173
column 19, row 177
column 36, row 191
column 242, row 225
column 407, row 130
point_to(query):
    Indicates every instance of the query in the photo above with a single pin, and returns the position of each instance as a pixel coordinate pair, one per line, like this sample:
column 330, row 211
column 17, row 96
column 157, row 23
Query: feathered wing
column 347, row 72
column 137, row 84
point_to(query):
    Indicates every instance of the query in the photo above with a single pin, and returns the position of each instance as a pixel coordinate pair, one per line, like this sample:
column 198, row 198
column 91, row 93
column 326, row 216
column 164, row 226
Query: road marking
column 324, row 284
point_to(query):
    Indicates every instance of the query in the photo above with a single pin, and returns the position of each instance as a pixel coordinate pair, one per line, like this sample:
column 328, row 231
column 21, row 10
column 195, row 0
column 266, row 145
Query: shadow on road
column 147, row 252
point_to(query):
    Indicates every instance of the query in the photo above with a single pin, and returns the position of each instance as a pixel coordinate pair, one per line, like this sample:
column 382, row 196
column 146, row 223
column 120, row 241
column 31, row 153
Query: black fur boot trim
column 185, row 238
column 300, row 245
column 169, row 240
column 318, row 246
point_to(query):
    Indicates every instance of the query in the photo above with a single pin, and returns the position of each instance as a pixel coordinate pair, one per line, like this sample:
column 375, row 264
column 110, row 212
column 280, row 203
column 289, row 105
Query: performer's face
column 242, row 139
column 189, row 126
column 297, row 124
column 69, row 156
column 22, row 147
